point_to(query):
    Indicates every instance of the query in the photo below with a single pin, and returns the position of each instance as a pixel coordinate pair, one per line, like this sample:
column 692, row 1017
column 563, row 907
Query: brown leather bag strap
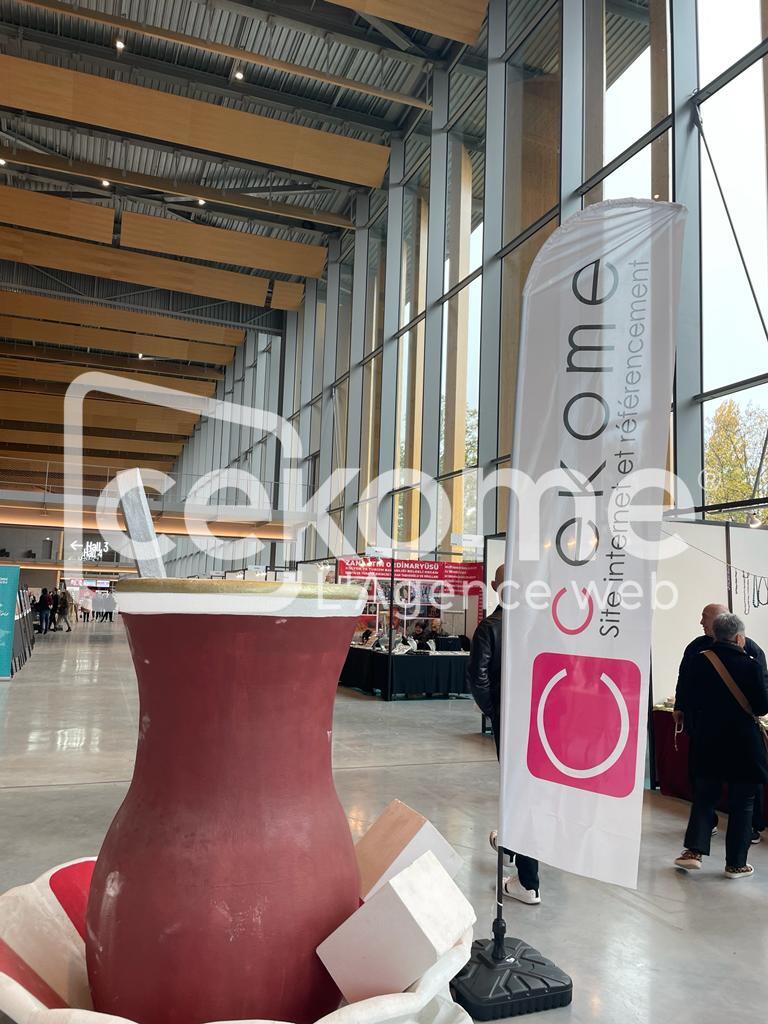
column 729, row 681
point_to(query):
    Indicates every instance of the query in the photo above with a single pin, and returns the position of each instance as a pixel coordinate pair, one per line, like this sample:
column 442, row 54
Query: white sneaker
column 736, row 873
column 515, row 891
column 688, row 861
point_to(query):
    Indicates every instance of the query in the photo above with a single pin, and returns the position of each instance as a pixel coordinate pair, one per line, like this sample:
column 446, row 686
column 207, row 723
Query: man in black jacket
column 726, row 744
column 484, row 680
column 686, row 685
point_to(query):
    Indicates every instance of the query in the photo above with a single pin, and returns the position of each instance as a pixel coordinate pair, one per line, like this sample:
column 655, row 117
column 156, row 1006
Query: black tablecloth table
column 368, row 670
column 357, row 670
column 671, row 764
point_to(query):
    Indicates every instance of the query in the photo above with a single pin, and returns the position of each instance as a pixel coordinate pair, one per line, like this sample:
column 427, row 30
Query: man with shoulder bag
column 728, row 745
column 687, row 679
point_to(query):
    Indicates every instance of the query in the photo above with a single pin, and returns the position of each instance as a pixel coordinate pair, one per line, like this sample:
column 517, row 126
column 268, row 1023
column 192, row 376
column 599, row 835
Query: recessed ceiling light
column 119, row 45
column 201, row 202
column 141, row 355
column 105, row 183
column 239, row 76
column 2, row 162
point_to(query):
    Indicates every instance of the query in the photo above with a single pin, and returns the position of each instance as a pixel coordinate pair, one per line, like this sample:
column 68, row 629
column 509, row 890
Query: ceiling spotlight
column 141, row 355
column 105, row 183
column 201, row 202
column 2, row 162
column 239, row 75
column 119, row 45
column 657, row 195
column 754, row 521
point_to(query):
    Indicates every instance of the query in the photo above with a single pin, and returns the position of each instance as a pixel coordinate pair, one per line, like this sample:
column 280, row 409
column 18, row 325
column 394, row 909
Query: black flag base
column 523, row 981
column 507, row 977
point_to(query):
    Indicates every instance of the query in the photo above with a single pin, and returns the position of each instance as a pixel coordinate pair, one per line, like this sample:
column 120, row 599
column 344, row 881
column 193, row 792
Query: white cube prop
column 399, row 933
column 397, row 838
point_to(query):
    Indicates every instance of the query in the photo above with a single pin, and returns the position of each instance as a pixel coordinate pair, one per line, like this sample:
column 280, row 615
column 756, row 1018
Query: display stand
column 16, row 629
column 400, row 593
column 23, row 631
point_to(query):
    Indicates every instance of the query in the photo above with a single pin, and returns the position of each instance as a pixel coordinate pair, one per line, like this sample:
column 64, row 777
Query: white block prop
column 399, row 933
column 397, row 838
column 427, row 1001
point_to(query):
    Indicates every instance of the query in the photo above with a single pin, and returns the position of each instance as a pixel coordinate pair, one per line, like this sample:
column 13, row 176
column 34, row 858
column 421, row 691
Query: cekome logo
column 585, row 715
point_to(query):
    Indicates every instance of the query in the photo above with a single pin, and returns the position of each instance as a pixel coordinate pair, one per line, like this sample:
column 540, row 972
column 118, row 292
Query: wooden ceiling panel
column 240, row 248
column 41, row 307
column 190, row 190
column 26, row 407
column 287, row 295
column 22, row 329
column 55, row 440
column 451, row 19
column 134, row 110
column 135, row 268
column 29, row 459
column 37, row 369
column 49, row 212
column 99, row 361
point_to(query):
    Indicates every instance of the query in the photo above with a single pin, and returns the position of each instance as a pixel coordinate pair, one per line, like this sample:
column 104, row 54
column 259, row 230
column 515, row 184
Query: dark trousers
column 741, row 798
column 758, row 815
column 527, row 867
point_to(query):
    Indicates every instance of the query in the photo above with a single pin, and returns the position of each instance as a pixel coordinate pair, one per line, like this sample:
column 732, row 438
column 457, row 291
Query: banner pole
column 499, row 928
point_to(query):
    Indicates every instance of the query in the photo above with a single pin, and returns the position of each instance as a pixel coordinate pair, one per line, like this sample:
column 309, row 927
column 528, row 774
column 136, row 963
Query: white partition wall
column 699, row 576
column 494, row 557
column 749, row 554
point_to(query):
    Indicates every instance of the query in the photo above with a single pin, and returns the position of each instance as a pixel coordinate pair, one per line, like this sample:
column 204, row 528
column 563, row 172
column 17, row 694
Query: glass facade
column 405, row 355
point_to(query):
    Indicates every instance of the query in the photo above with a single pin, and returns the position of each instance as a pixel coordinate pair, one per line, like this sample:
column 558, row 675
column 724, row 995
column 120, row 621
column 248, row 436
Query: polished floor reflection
column 680, row 949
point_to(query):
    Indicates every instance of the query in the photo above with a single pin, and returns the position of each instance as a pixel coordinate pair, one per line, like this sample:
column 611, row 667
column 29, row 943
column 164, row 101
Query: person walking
column 687, row 677
column 86, row 604
column 484, row 681
column 54, row 610
column 44, row 606
column 726, row 744
column 64, row 606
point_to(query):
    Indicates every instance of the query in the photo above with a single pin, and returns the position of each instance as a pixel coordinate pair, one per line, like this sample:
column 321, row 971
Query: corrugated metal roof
column 68, row 41
column 232, row 29
column 68, row 285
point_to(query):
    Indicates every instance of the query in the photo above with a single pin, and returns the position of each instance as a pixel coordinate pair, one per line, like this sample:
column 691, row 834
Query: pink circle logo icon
column 584, row 722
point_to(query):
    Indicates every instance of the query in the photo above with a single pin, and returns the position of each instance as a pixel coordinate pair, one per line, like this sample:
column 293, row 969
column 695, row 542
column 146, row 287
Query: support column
column 391, row 325
column 573, row 103
column 657, row 14
column 455, row 330
column 592, row 119
column 305, row 415
column 689, row 441
column 357, row 348
column 439, row 212
column 493, row 230
column 328, row 423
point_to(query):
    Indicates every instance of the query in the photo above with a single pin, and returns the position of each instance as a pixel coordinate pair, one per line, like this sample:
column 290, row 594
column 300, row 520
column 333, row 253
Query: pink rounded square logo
column 585, row 715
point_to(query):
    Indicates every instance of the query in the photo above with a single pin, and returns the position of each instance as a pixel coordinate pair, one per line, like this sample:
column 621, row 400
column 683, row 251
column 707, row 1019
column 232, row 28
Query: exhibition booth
column 414, row 632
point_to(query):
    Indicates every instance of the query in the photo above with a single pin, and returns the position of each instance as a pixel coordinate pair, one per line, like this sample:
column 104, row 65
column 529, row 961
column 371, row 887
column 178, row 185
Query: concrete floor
column 681, row 949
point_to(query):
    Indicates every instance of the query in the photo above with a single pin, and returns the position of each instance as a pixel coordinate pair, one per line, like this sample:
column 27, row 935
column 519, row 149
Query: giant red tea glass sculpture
column 230, row 859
